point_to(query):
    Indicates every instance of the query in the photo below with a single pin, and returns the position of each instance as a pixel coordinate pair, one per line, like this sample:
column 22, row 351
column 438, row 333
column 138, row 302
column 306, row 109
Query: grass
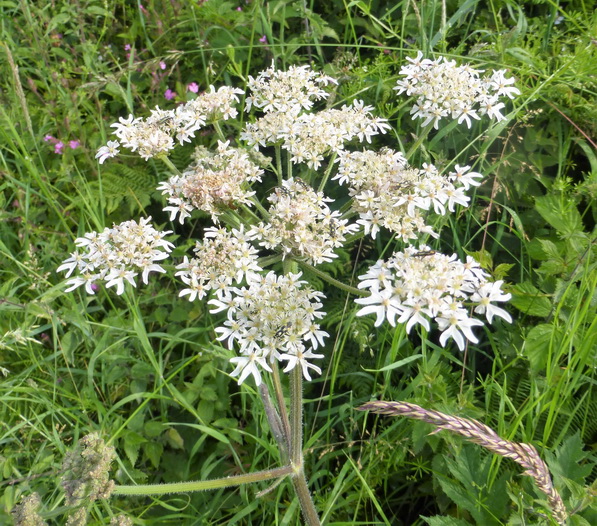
column 144, row 369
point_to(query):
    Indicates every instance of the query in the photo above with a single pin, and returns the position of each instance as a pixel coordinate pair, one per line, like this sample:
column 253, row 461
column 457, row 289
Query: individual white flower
column 249, row 365
column 300, row 358
column 383, row 304
column 457, row 326
column 487, row 293
column 108, row 151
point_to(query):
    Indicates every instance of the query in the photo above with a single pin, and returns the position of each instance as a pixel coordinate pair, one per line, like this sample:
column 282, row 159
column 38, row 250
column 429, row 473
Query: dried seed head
column 523, row 454
column 86, row 469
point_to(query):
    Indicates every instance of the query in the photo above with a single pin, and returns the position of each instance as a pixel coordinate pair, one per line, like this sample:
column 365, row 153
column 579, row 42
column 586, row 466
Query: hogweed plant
column 273, row 319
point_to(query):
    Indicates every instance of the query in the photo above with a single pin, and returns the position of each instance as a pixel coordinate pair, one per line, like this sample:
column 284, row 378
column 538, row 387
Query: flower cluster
column 417, row 285
column 117, row 255
column 214, row 182
column 310, row 136
column 156, row 135
column 220, row 259
column 388, row 192
column 443, row 89
column 287, row 91
column 302, row 224
column 273, row 318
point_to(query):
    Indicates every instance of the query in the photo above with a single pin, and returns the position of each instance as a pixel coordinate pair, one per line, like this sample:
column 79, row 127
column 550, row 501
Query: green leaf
column 442, row 520
column 536, row 345
column 154, row 451
column 132, row 444
column 530, row 300
column 561, row 213
column 174, row 439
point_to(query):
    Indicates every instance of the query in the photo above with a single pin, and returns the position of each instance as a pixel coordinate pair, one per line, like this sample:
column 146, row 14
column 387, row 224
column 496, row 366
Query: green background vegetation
column 143, row 368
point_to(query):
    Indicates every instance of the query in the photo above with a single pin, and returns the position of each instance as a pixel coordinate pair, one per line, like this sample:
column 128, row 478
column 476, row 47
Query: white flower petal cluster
column 156, row 135
column 302, row 224
column 222, row 258
column 214, row 182
column 116, row 255
column 388, row 192
column 274, row 318
column 444, row 90
column 287, row 91
column 308, row 137
column 418, row 285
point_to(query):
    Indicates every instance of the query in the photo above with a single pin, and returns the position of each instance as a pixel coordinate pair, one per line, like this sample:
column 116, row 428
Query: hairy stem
column 202, row 485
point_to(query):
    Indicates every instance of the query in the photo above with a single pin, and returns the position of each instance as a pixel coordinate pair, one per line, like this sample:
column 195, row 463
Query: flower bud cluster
column 214, row 182
column 302, row 224
column 220, row 259
column 117, row 255
column 26, row 512
column 444, row 90
column 417, row 285
column 388, row 192
column 274, row 318
column 308, row 137
column 156, row 135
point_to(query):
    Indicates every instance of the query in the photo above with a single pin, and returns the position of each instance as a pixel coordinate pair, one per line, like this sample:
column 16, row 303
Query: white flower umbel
column 213, row 183
column 418, row 285
column 221, row 259
column 444, row 90
column 309, row 137
column 117, row 255
column 302, row 224
column 388, row 192
column 274, row 318
column 287, row 91
column 158, row 133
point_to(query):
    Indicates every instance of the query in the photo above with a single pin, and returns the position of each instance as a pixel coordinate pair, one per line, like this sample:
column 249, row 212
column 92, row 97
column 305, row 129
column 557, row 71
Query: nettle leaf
column 560, row 213
column 530, row 300
column 132, row 444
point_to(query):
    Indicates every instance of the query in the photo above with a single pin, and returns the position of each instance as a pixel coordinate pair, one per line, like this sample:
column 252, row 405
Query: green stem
column 201, row 485
column 260, row 207
column 281, row 402
column 219, row 131
column 419, row 141
column 296, row 418
column 279, row 164
column 327, row 173
column 169, row 164
column 343, row 286
column 308, row 508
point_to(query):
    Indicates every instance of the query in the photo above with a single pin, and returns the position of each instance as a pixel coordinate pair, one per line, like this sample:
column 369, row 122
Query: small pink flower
column 239, row 8
column 193, row 87
column 49, row 138
column 127, row 47
column 143, row 10
column 169, row 94
column 58, row 147
column 263, row 39
column 73, row 145
column 162, row 65
column 94, row 287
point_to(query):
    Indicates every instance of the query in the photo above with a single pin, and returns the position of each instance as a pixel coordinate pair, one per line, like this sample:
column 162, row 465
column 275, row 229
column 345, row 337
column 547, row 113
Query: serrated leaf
column 560, row 213
column 154, row 451
column 530, row 300
column 132, row 445
column 209, row 394
column 502, row 270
